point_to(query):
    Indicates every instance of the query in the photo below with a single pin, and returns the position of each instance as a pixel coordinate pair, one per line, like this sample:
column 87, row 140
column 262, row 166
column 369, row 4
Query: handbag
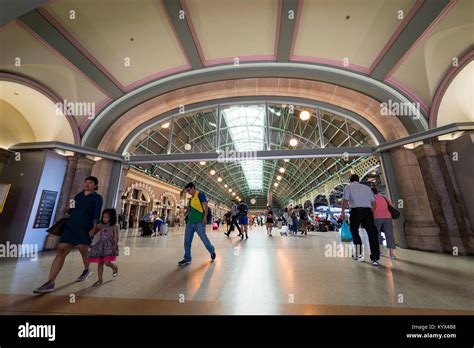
column 96, row 239
column 346, row 235
column 394, row 212
column 57, row 227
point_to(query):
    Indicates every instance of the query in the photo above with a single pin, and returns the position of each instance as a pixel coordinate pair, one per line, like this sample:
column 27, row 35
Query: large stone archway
column 421, row 231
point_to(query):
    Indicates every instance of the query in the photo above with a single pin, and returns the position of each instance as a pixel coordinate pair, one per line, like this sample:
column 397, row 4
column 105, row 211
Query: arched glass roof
column 245, row 128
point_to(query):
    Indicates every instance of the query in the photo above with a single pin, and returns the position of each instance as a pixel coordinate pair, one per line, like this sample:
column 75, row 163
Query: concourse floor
column 261, row 275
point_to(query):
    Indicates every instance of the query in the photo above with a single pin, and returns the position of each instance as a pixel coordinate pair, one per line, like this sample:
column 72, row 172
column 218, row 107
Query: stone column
column 444, row 197
column 64, row 197
column 421, row 230
column 83, row 170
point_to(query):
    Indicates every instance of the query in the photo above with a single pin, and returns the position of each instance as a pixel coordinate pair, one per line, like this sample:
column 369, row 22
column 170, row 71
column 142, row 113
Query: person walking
column 243, row 210
column 105, row 250
column 196, row 221
column 383, row 221
column 303, row 224
column 83, row 218
column 234, row 213
column 269, row 215
column 361, row 201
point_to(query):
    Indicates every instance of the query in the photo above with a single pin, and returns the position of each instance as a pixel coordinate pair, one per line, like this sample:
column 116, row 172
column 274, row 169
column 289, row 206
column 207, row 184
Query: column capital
column 425, row 150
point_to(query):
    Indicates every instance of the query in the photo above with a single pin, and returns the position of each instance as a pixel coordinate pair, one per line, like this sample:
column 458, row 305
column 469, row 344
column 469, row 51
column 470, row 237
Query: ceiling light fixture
column 165, row 125
column 275, row 184
column 225, row 185
column 305, row 115
column 212, row 172
column 293, row 142
column 219, row 179
column 281, row 170
column 202, row 163
column 278, row 177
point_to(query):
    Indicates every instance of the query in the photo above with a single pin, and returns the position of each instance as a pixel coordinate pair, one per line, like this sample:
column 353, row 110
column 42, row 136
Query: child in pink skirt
column 104, row 248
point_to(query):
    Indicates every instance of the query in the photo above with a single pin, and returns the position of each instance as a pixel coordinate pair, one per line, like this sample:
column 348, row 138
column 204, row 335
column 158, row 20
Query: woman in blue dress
column 84, row 215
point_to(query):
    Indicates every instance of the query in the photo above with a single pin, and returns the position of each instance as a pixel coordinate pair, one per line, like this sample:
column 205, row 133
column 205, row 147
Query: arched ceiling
column 26, row 115
column 97, row 52
column 248, row 127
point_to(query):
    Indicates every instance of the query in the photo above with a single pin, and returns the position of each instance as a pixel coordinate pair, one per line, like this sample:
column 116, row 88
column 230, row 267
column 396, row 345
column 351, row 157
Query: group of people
column 237, row 217
column 96, row 233
column 152, row 224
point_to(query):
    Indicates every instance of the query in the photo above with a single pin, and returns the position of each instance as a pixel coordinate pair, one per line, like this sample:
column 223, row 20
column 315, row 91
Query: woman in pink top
column 383, row 221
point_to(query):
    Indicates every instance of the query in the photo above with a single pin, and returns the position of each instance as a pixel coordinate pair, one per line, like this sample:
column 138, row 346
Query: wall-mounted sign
column 45, row 209
column 4, row 188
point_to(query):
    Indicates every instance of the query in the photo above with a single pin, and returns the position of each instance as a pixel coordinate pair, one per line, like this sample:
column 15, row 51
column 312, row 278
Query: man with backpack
column 303, row 226
column 243, row 210
column 198, row 216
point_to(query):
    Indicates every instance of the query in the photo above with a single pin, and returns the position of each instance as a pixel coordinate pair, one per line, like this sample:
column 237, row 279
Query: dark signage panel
column 45, row 209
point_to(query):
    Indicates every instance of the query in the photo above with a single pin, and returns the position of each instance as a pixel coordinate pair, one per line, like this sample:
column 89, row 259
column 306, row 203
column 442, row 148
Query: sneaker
column 115, row 271
column 213, row 256
column 375, row 263
column 227, row 234
column 393, row 257
column 184, row 263
column 84, row 276
column 241, row 236
column 358, row 258
column 153, row 234
column 246, row 236
column 45, row 288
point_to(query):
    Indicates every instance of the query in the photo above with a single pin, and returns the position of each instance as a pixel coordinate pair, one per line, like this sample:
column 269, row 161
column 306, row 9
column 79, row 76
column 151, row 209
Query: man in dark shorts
column 84, row 215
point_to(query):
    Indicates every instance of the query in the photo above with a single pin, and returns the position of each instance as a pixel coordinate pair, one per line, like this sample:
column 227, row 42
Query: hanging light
column 165, row 125
column 233, row 193
column 286, row 160
column 212, row 172
column 219, row 179
column 202, row 163
column 225, row 185
column 293, row 141
column 305, row 115
column 275, row 184
column 278, row 177
column 187, row 146
column 281, row 170
column 230, row 190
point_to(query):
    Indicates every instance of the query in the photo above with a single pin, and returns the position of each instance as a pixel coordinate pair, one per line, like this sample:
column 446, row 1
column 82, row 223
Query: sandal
column 115, row 271
column 97, row 283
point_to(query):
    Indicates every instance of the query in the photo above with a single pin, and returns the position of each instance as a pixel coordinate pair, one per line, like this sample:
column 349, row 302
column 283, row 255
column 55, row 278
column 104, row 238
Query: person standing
column 196, row 221
column 303, row 225
column 234, row 215
column 84, row 215
column 383, row 221
column 269, row 215
column 106, row 249
column 361, row 200
column 243, row 210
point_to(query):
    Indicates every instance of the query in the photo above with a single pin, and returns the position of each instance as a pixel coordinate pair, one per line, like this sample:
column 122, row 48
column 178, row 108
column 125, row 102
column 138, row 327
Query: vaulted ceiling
column 100, row 51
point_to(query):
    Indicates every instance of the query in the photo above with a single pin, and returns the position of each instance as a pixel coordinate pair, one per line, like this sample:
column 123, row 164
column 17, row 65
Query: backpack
column 209, row 214
column 303, row 214
column 242, row 209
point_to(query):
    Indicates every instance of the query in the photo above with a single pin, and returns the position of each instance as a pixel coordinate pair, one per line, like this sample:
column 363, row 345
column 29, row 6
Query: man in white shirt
column 361, row 200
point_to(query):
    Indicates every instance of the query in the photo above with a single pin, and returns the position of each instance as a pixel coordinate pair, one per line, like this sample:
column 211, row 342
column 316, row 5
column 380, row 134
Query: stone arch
column 389, row 126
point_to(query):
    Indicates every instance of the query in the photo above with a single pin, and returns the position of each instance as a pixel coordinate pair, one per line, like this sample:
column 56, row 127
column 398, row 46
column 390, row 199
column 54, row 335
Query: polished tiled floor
column 262, row 275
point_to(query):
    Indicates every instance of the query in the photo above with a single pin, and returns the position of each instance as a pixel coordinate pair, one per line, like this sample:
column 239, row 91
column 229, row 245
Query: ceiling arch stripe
column 34, row 21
